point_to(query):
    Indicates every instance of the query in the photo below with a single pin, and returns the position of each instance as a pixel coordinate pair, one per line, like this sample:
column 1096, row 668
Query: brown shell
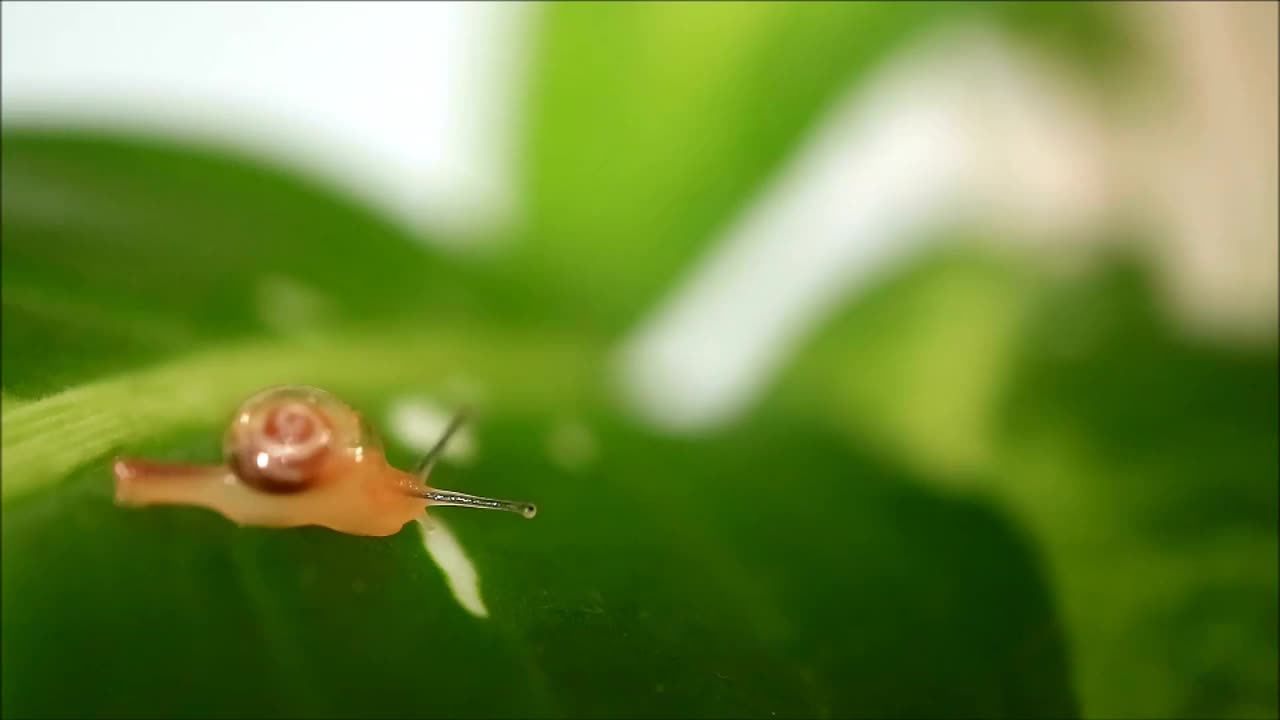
column 281, row 440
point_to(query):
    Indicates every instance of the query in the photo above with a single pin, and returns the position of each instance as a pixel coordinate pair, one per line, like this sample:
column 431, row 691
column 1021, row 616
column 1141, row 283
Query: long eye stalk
column 457, row 499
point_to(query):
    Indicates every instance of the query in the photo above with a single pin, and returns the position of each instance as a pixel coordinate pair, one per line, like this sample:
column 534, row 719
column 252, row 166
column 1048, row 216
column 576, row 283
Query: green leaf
column 773, row 570
column 661, row 580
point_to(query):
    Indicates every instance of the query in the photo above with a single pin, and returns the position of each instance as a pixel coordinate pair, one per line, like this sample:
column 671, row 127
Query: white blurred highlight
column 408, row 106
column 957, row 130
column 418, row 424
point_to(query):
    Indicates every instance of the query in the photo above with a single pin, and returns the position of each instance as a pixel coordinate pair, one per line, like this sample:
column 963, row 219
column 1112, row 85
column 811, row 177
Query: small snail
column 297, row 456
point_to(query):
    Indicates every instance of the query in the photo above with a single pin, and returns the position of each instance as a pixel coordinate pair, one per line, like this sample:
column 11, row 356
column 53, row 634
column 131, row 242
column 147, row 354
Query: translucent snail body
column 298, row 456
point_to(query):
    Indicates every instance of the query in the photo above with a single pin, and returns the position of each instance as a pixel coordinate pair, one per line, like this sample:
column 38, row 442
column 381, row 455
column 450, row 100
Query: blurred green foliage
column 1142, row 463
column 979, row 491
column 652, row 123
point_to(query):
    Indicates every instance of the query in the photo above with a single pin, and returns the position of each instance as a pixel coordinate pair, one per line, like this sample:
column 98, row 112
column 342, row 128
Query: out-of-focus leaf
column 653, row 123
column 1143, row 463
column 1147, row 464
column 916, row 363
column 1095, row 38
column 122, row 251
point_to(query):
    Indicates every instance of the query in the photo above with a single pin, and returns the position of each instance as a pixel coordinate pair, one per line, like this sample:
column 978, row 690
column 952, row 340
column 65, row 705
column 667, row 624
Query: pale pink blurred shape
column 969, row 127
column 1202, row 160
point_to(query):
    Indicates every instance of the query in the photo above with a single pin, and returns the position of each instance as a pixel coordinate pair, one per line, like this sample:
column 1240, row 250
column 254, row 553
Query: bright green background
column 980, row 491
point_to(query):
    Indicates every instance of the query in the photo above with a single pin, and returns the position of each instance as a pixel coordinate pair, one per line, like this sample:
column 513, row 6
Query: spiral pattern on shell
column 280, row 439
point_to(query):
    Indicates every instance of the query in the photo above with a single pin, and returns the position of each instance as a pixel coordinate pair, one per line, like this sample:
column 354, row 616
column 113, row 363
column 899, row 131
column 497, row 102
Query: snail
column 295, row 456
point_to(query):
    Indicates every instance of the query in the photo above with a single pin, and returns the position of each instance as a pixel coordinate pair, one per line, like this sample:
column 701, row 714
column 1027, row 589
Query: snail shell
column 282, row 440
